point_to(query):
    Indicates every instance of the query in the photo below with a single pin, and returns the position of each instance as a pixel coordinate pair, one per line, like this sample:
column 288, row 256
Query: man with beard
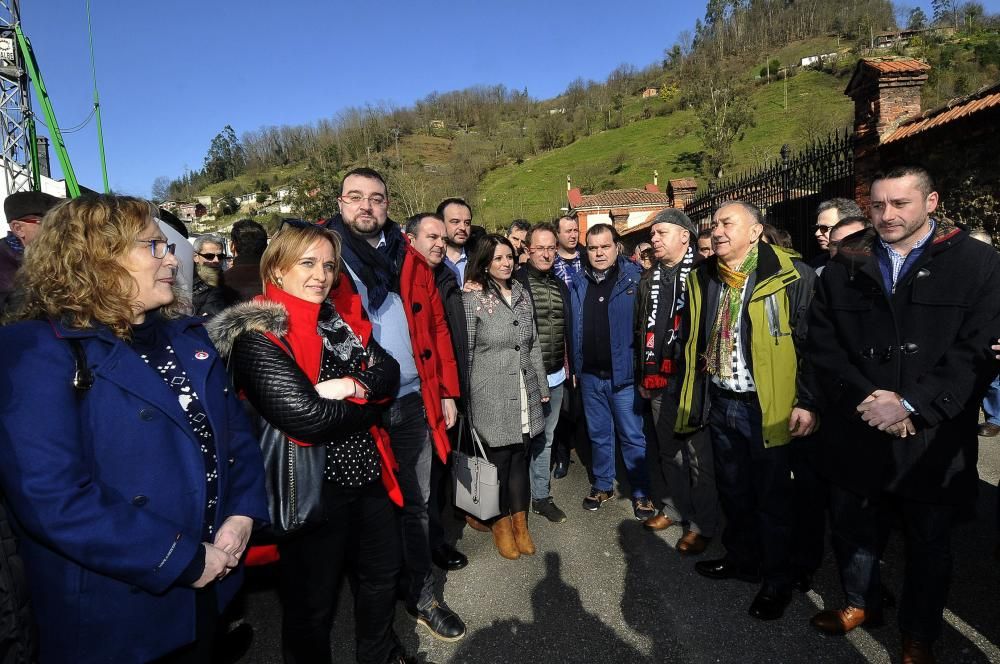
column 899, row 332
column 457, row 217
column 680, row 465
column 399, row 295
column 207, row 293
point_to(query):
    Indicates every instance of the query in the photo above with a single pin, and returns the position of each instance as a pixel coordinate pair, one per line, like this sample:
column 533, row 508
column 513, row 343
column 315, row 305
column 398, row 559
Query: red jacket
column 432, row 349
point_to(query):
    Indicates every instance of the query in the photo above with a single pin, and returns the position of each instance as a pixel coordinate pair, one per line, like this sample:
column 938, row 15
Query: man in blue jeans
column 603, row 298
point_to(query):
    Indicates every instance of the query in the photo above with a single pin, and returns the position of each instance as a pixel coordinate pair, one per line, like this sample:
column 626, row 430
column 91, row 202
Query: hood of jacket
column 255, row 316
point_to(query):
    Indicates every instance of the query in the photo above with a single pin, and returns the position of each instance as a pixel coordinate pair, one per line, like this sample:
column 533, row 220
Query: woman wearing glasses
column 128, row 465
column 507, row 382
column 313, row 371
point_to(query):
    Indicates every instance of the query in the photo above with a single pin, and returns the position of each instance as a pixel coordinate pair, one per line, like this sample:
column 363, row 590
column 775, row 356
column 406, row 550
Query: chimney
column 42, row 142
column 656, row 178
column 681, row 191
column 886, row 93
column 569, row 184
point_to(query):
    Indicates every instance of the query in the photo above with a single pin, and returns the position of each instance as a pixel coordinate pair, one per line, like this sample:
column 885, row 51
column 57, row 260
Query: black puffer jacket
column 550, row 298
column 17, row 637
column 279, row 390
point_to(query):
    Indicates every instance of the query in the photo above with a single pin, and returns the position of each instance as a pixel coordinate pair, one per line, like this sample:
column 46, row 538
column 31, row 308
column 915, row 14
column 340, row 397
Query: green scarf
column 718, row 356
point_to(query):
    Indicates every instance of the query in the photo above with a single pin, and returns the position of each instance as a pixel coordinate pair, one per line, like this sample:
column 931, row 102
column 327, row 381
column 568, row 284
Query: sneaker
column 547, row 508
column 643, row 508
column 593, row 502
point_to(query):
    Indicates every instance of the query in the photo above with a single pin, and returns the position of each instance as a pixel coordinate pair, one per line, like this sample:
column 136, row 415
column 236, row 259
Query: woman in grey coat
column 507, row 383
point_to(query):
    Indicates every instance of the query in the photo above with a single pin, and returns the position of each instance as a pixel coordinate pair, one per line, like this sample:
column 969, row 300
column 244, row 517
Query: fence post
column 786, row 185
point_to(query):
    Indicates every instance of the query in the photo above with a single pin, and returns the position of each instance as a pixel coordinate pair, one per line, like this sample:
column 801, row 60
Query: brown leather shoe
column 917, row 652
column 521, row 535
column 988, row 429
column 692, row 544
column 503, row 537
column 842, row 621
column 476, row 524
column 659, row 522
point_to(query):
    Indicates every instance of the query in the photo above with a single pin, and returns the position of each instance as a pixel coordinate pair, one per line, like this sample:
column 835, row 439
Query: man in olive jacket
column 900, row 334
column 745, row 317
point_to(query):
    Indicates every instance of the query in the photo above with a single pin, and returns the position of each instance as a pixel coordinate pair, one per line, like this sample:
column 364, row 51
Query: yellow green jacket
column 776, row 310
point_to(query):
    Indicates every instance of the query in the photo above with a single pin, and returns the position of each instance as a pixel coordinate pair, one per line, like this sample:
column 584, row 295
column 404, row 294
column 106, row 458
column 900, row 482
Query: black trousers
column 512, row 471
column 361, row 535
column 810, row 491
column 206, row 623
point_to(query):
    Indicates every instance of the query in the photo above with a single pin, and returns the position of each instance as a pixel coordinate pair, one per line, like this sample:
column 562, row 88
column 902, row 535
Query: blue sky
column 172, row 73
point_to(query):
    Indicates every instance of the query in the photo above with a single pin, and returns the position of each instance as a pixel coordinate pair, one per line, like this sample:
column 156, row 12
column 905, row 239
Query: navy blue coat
column 621, row 312
column 108, row 488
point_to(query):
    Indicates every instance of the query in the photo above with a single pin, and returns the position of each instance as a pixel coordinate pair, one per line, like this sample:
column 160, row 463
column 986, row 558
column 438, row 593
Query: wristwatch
column 908, row 406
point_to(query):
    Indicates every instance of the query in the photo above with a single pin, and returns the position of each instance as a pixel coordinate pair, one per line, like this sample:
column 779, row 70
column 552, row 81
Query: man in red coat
column 400, row 297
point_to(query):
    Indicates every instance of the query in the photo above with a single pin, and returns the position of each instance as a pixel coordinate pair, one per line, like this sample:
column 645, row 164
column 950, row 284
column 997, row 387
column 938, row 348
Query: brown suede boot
column 521, row 534
column 503, row 537
column 476, row 524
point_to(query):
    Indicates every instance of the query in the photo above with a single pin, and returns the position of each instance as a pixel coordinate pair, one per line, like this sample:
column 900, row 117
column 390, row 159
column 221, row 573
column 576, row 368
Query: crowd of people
column 745, row 394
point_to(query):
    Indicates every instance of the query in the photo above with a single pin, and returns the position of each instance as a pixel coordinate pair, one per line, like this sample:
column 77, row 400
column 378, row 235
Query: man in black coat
column 899, row 334
column 242, row 281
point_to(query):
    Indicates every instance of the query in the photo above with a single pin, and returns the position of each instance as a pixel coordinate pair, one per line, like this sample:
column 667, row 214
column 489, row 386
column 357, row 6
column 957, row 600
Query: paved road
column 602, row 590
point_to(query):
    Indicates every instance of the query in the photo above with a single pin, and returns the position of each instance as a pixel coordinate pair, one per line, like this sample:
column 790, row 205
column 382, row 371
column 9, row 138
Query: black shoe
column 643, row 508
column 802, row 582
column 234, row 644
column 770, row 603
column 443, row 623
column 449, row 558
column 596, row 498
column 547, row 508
column 722, row 568
column 560, row 470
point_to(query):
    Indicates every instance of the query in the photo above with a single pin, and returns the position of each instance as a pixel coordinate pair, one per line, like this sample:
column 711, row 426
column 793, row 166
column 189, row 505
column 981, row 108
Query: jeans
column 612, row 414
column 414, row 450
column 755, row 488
column 682, row 473
column 857, row 525
column 541, row 446
column 360, row 533
column 991, row 402
column 512, row 472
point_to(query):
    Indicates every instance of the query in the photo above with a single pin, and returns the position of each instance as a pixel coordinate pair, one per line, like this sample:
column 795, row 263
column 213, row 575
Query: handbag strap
column 477, row 442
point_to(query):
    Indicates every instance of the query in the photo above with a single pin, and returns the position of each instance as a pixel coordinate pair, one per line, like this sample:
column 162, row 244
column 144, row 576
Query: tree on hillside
column 225, row 159
column 160, row 191
column 945, row 12
column 725, row 112
column 917, row 19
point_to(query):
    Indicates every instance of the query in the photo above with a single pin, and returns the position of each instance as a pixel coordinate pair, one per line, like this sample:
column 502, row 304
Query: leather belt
column 743, row 397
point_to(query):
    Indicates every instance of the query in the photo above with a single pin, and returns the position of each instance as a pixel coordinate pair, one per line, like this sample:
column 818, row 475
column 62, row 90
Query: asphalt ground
column 602, row 590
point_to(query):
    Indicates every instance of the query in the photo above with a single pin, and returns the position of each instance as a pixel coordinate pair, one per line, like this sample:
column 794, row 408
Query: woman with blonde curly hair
column 129, row 467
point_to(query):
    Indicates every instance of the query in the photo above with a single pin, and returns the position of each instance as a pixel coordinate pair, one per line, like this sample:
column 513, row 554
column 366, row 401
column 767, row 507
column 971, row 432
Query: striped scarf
column 718, row 356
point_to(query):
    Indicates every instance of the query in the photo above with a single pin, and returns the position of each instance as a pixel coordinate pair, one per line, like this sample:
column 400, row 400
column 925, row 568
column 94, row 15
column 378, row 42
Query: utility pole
column 19, row 147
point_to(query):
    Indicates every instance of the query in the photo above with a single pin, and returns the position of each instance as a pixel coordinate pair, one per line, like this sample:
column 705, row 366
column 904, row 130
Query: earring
column 280, row 282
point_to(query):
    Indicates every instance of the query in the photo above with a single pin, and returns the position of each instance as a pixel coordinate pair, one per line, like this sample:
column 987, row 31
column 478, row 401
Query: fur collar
column 858, row 247
column 253, row 316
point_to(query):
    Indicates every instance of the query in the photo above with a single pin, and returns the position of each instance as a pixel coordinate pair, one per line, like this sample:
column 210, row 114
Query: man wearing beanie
column 680, row 465
column 24, row 210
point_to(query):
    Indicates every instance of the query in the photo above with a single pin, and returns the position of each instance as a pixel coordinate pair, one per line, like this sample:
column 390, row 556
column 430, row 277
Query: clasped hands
column 884, row 410
column 223, row 554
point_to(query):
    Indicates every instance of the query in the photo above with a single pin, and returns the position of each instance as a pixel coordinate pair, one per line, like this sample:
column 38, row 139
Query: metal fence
column 789, row 189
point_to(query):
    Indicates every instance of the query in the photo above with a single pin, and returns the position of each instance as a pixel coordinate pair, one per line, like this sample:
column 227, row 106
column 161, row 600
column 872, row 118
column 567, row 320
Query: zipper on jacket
column 773, row 321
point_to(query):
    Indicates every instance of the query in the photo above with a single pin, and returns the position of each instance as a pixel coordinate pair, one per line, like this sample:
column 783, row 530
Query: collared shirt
column 458, row 267
column 741, row 380
column 894, row 265
column 566, row 268
column 392, row 332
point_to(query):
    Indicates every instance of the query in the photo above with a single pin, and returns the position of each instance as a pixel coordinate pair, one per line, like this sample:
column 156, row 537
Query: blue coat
column 108, row 488
column 621, row 312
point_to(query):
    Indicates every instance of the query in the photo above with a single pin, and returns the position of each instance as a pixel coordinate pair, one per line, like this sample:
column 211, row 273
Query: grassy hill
column 627, row 157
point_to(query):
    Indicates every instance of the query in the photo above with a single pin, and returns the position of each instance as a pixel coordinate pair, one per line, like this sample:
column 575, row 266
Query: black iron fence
column 789, row 189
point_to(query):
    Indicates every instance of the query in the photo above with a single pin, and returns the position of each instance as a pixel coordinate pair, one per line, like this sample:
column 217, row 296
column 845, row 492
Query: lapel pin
column 201, row 355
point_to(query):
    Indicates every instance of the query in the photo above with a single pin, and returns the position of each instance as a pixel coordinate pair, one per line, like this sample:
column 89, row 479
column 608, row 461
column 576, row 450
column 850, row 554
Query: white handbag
column 477, row 487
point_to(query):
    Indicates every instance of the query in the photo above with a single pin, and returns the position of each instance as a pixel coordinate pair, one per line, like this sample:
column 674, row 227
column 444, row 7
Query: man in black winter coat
column 899, row 334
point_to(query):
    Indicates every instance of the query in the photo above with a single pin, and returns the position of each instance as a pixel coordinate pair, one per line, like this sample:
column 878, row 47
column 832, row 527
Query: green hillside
column 627, row 157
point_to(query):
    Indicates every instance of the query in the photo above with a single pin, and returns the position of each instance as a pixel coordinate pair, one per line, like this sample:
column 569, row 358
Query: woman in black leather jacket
column 320, row 380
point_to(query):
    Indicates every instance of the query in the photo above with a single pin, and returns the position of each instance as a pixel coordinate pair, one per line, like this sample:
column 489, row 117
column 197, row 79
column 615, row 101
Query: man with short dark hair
column 24, row 211
column 603, row 361
column 516, row 233
column 899, row 332
column 457, row 216
column 569, row 259
column 705, row 243
column 550, row 301
column 399, row 295
column 828, row 214
column 744, row 320
column 680, row 465
column 242, row 281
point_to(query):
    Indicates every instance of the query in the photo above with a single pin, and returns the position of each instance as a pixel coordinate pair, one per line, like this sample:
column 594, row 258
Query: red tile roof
column 896, row 65
column 684, row 183
column 622, row 197
column 961, row 107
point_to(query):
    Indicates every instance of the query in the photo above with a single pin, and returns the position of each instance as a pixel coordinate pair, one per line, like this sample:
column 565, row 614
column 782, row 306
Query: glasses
column 824, row 230
column 212, row 257
column 159, row 248
column 378, row 200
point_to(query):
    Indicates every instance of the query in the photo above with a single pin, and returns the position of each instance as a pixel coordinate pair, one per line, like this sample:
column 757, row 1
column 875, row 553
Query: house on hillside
column 190, row 211
column 650, row 92
column 903, row 37
column 623, row 208
column 811, row 60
